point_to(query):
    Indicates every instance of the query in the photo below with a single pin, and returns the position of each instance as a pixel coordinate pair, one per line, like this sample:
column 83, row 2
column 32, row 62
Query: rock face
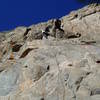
column 55, row 60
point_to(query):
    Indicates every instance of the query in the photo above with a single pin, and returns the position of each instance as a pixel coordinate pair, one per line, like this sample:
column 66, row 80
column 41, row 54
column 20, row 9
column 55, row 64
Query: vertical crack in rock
column 78, row 83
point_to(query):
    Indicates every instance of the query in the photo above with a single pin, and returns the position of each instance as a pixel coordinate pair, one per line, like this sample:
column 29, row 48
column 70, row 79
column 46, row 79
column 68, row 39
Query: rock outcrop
column 63, row 66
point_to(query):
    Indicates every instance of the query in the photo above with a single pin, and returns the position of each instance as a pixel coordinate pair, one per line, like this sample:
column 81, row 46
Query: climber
column 58, row 25
column 58, row 31
column 47, row 29
column 53, row 29
column 45, row 34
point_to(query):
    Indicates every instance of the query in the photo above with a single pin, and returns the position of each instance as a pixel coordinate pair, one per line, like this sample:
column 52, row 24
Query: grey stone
column 65, row 66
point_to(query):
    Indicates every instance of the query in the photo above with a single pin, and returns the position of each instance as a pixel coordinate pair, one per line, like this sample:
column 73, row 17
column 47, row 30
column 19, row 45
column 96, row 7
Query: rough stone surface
column 65, row 66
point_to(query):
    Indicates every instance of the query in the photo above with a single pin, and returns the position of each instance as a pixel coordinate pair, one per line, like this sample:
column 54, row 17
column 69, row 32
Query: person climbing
column 45, row 34
column 53, row 30
column 59, row 32
column 58, row 25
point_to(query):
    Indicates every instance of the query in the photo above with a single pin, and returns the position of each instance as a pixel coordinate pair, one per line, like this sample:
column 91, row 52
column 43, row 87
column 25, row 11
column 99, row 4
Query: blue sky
column 15, row 13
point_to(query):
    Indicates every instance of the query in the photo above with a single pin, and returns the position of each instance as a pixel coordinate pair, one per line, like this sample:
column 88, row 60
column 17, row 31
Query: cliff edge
column 54, row 60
